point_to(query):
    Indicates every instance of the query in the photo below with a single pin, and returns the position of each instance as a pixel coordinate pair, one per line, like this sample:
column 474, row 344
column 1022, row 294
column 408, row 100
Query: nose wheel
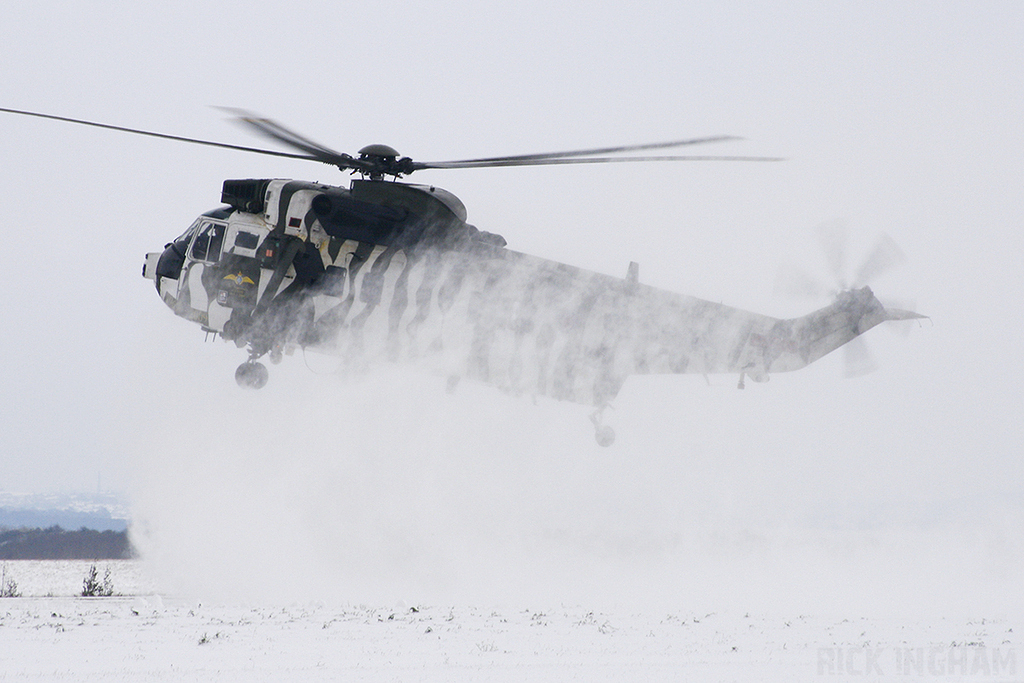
column 251, row 375
column 603, row 434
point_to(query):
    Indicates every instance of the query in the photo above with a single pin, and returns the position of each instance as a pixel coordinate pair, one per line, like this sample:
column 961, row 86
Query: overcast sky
column 902, row 118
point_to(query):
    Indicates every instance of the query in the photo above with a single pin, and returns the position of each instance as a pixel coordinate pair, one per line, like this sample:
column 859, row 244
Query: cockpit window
column 208, row 242
column 187, row 235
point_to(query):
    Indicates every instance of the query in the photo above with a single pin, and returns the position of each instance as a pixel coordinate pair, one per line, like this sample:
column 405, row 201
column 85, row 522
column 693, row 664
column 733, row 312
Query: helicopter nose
column 149, row 266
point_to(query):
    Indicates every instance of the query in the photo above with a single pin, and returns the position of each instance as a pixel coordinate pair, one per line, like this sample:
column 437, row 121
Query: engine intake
column 245, row 195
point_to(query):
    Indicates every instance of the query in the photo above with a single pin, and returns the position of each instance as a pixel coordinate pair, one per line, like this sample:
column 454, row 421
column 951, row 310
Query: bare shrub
column 92, row 586
column 8, row 586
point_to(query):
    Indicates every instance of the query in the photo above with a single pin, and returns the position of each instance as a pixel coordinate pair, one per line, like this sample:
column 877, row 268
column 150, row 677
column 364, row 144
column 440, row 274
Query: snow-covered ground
column 50, row 633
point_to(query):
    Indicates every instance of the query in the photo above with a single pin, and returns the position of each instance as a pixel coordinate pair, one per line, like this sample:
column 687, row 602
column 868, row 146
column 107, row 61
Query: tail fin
column 853, row 313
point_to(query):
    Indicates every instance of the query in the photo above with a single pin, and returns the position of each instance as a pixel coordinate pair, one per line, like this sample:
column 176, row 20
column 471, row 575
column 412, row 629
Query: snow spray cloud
column 389, row 489
column 379, row 485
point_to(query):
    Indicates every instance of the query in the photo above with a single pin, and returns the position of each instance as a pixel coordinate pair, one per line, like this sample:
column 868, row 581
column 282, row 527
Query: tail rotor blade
column 858, row 359
column 885, row 256
column 792, row 282
column 833, row 238
column 902, row 328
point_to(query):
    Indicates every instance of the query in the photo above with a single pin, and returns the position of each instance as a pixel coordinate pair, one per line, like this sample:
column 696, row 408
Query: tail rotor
column 795, row 283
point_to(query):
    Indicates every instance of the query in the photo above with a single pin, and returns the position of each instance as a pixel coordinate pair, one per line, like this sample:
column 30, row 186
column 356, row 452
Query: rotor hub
column 377, row 161
column 381, row 151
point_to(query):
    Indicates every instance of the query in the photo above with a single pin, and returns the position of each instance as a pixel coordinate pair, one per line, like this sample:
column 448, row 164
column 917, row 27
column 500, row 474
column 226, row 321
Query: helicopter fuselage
column 387, row 271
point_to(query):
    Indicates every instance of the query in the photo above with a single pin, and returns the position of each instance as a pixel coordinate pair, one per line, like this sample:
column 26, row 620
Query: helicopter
column 384, row 270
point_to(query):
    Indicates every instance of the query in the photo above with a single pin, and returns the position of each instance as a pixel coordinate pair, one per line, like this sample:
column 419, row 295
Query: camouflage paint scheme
column 388, row 271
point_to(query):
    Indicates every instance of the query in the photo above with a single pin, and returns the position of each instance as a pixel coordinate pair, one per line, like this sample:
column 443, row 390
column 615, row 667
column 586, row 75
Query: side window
column 246, row 240
column 208, row 242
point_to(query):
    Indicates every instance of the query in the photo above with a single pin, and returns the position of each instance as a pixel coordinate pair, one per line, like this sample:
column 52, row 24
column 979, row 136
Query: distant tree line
column 55, row 543
column 16, row 518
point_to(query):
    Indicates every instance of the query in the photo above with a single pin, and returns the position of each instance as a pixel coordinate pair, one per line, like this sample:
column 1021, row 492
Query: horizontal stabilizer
column 897, row 314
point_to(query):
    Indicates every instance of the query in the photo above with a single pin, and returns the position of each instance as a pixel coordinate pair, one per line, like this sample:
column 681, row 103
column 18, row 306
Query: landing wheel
column 605, row 436
column 251, row 375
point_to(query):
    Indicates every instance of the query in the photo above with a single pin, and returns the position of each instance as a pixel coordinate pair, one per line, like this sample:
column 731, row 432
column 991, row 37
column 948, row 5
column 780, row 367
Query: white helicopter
column 390, row 271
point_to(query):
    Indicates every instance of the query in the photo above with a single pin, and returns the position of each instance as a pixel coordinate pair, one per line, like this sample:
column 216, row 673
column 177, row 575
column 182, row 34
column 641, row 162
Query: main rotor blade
column 164, row 136
column 560, row 161
column 314, row 151
column 275, row 131
column 587, row 152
